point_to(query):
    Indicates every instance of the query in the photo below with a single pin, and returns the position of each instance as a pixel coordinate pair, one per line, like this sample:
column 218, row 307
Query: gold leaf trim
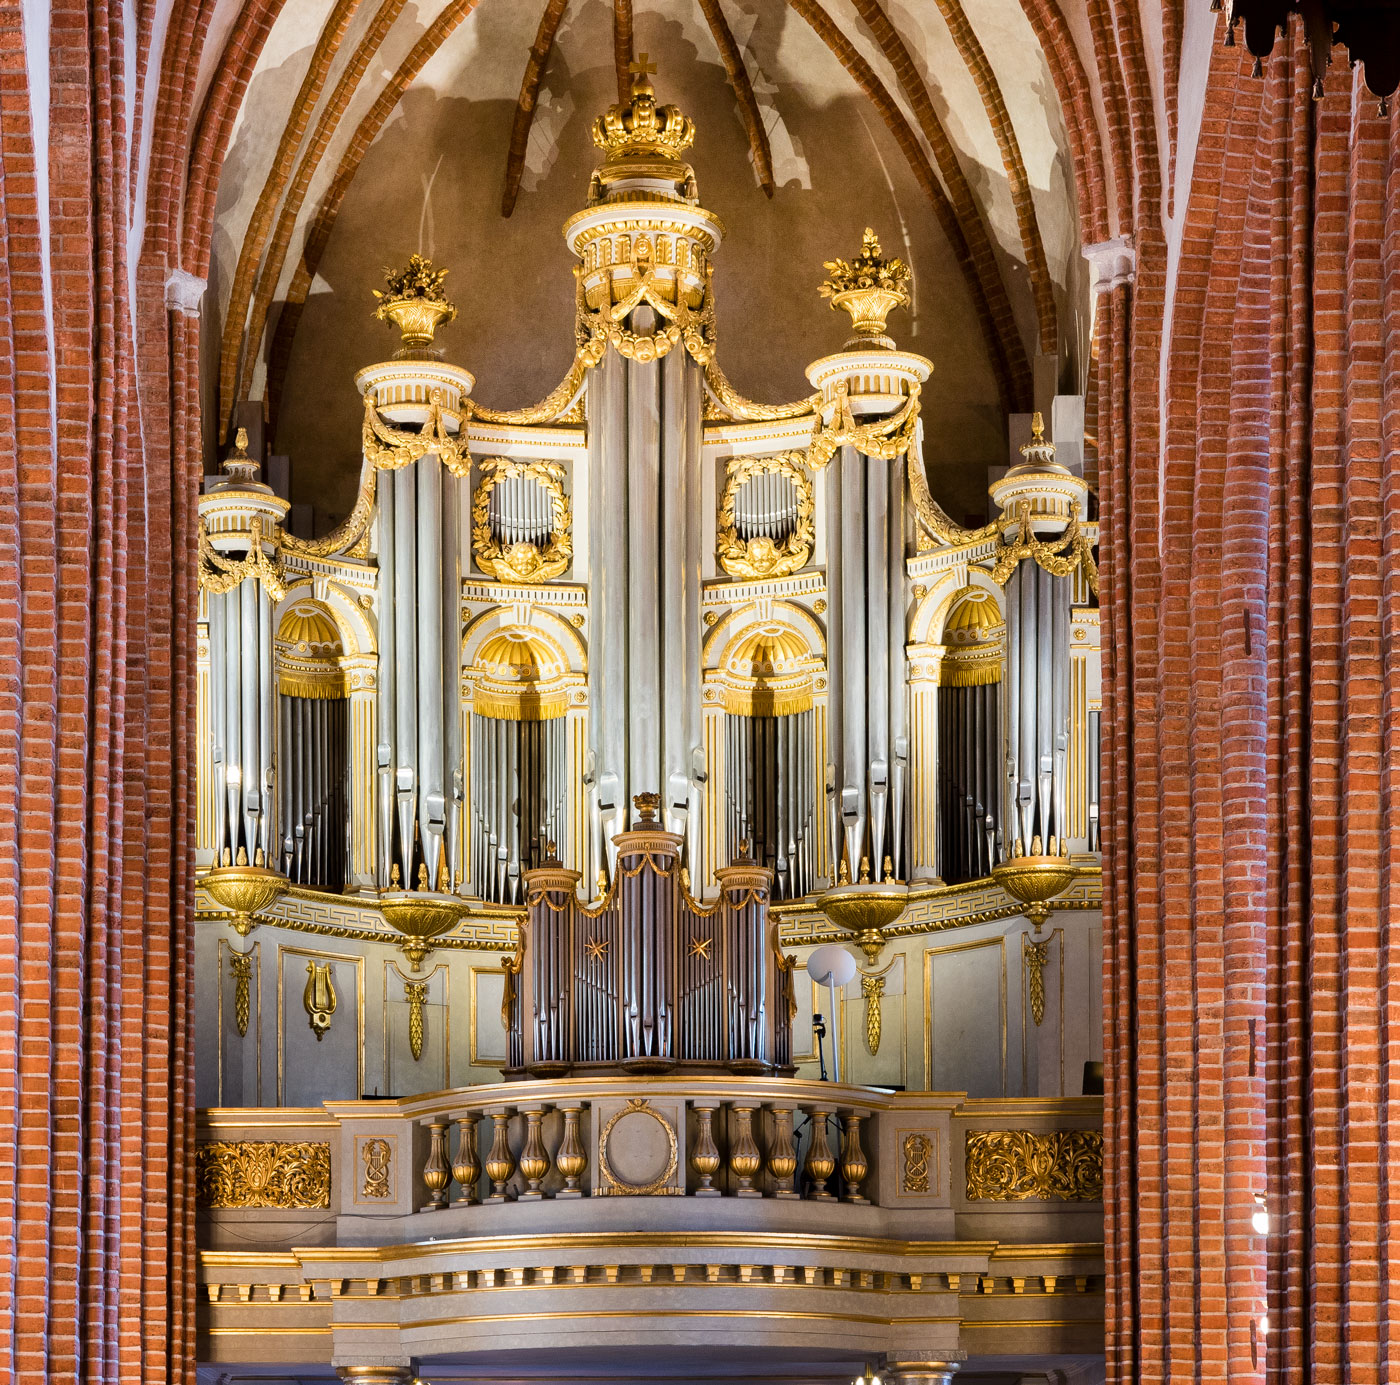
column 522, row 562
column 732, row 403
column 550, row 407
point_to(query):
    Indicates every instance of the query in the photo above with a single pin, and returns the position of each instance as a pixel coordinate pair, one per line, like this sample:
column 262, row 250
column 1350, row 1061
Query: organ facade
column 551, row 765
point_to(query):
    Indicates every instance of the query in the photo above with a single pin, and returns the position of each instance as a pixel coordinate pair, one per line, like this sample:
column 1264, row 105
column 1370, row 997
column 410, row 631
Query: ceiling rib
column 260, row 223
column 975, row 56
column 622, row 49
column 967, row 237
column 749, row 113
column 232, row 370
column 529, row 97
column 1077, row 105
column 433, row 37
column 215, row 127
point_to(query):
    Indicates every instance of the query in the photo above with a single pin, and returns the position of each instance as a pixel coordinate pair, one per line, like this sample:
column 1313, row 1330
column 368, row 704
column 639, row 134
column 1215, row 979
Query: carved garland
column 886, row 438
column 220, row 575
column 1059, row 556
column 602, row 326
column 387, row 448
column 759, row 556
column 522, row 562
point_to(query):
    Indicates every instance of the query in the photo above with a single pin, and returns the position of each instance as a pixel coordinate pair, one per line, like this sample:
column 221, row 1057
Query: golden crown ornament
column 642, row 129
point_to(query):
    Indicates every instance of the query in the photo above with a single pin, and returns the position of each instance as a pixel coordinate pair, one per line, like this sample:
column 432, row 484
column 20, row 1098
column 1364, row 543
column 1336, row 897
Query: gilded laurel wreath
column 762, row 556
column 522, row 562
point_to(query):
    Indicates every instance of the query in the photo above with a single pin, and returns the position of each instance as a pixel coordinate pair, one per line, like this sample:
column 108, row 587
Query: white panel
column 966, row 1029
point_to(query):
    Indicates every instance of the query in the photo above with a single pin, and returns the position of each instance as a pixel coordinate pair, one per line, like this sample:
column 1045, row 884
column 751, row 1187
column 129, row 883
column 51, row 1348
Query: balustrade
column 663, row 1142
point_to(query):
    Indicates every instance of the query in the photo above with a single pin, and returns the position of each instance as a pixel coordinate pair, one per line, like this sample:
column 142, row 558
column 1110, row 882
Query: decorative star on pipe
column 1368, row 30
column 597, row 948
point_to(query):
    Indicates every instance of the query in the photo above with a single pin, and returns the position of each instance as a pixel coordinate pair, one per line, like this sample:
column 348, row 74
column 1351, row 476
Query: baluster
column 821, row 1163
column 436, row 1173
column 466, row 1169
column 499, row 1162
column 782, row 1153
column 572, row 1158
column 744, row 1158
column 705, row 1159
column 534, row 1158
column 853, row 1162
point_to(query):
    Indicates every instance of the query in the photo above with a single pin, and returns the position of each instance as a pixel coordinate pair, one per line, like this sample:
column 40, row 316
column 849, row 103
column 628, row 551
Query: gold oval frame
column 639, row 1106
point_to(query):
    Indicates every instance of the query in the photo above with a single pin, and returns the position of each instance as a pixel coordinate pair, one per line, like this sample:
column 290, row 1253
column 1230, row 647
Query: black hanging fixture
column 1368, row 29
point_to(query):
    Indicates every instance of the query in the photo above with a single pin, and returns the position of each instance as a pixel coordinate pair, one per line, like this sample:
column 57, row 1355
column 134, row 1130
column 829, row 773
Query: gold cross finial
column 640, row 67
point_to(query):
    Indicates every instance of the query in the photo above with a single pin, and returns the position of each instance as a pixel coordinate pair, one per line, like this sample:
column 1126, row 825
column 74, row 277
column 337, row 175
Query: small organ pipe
column 1044, row 704
column 251, row 760
column 267, row 708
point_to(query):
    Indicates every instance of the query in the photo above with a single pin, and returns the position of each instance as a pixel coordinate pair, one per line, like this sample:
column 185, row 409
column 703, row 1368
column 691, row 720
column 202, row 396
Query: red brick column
column 1252, row 596
column 98, row 474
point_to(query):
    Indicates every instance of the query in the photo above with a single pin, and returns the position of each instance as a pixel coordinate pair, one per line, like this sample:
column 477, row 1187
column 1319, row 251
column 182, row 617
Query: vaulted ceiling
column 374, row 128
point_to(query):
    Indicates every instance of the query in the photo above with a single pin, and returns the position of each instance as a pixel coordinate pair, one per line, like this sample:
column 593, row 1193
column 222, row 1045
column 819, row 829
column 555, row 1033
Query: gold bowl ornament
column 413, row 300
column 865, row 910
column 1035, row 878
column 869, row 288
column 420, row 916
column 245, row 892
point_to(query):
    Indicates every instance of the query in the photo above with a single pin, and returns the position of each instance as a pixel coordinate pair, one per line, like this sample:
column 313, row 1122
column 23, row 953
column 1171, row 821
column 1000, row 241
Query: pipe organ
column 754, row 618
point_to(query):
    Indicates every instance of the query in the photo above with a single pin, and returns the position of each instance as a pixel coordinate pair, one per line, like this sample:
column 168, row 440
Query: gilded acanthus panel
column 263, row 1173
column 1032, row 1165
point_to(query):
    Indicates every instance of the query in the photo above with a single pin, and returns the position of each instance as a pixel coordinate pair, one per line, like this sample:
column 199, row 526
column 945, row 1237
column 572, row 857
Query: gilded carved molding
column 263, row 1173
column 377, row 1156
column 616, row 1183
column 1031, row 1165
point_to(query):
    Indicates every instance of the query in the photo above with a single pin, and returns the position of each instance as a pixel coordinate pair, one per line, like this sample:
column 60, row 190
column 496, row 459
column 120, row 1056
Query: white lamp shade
column 831, row 965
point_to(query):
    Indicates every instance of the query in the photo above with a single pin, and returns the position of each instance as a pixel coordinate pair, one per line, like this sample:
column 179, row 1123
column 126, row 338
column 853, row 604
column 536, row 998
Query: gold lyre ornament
column 414, row 301
column 319, row 998
column 869, row 288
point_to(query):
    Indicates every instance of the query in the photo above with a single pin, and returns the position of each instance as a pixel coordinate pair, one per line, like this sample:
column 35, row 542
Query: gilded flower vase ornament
column 869, row 288
column 414, row 301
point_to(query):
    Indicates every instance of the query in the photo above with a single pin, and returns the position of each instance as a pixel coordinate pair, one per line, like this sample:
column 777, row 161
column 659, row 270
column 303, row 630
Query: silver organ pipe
column 1038, row 624
column 419, row 743
column 519, row 774
column 387, row 691
column 771, row 807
